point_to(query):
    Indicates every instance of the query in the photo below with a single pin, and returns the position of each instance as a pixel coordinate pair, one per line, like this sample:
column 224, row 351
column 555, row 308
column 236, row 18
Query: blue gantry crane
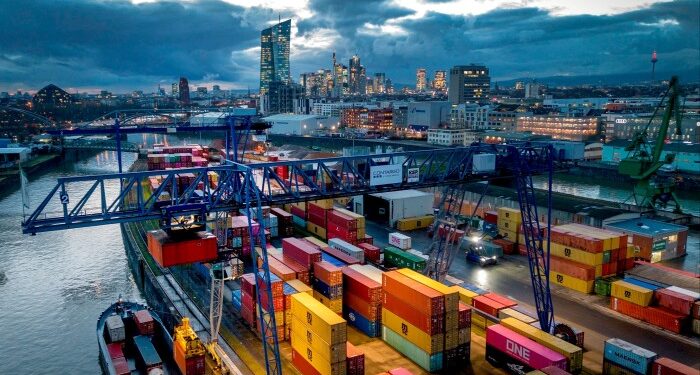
column 251, row 186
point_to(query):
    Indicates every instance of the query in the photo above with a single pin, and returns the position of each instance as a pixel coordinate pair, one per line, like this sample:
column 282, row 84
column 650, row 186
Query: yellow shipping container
column 315, row 229
column 510, row 235
column 335, row 305
column 451, row 339
column 631, row 293
column 631, row 251
column 508, row 224
column 406, row 224
column 573, row 353
column 510, row 313
column 577, row 255
column 300, row 287
column 599, row 270
column 571, row 282
column 324, row 203
column 316, row 360
column 478, row 331
column 330, row 327
column 451, row 296
column 331, row 353
column 465, row 295
column 429, row 344
column 316, row 241
column 360, row 233
column 509, row 214
column 615, row 242
column 478, row 321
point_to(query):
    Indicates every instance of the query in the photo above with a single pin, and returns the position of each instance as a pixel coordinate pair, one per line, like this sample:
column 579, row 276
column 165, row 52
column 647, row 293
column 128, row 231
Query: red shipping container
column 181, row 247
column 328, row 273
column 277, row 285
column 368, row 239
column 664, row 318
column 487, row 305
column 317, row 210
column 303, row 273
column 372, row 253
column 465, row 315
column 571, row 268
column 282, row 215
column 347, row 259
column 355, row 360
column 277, row 303
column 674, row 301
column 665, row 366
column 508, row 246
column 361, row 285
column 248, row 314
column 627, row 308
column 505, row 301
column 491, row 217
column 115, row 350
column 248, row 300
column 432, row 325
column 279, row 269
column 609, row 269
column 369, row 310
column 316, row 219
column 298, row 212
column 426, row 300
column 614, row 255
column 301, row 251
column 522, row 249
column 144, row 322
column 248, row 283
column 696, row 310
column 342, row 220
column 337, row 232
column 121, row 366
column 304, row 367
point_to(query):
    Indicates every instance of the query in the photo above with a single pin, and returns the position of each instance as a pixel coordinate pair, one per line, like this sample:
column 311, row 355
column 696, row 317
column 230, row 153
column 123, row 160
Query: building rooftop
column 289, row 117
column 647, row 227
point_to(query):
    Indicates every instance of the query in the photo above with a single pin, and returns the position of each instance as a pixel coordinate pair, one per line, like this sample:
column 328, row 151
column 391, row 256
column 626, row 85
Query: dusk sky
column 120, row 45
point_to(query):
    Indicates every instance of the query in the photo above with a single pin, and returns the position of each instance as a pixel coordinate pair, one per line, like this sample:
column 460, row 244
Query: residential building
column 352, row 117
column 379, row 119
column 504, row 117
column 440, row 81
column 421, row 83
column 446, row 137
column 274, row 55
column 469, row 84
column 428, row 115
column 400, row 116
column 559, row 127
column 532, row 90
column 469, row 116
column 332, row 109
column 184, row 91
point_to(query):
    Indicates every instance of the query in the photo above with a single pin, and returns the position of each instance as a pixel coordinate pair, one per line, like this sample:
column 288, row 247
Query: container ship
column 133, row 340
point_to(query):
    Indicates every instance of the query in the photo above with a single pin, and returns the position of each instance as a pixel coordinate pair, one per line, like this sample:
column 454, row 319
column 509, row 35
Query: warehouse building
column 299, row 124
column 655, row 240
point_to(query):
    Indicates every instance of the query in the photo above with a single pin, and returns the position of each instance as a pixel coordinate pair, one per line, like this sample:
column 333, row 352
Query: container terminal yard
column 395, row 263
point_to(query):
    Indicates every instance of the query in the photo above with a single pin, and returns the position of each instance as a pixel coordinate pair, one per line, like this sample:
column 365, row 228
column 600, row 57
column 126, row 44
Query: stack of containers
column 319, row 337
column 487, row 308
column 509, row 222
column 372, row 253
column 413, row 316
column 188, row 349
column 630, row 299
column 580, row 254
column 342, row 226
column 347, row 249
column 621, row 357
column 332, row 255
column 285, row 224
column 362, row 300
column 355, row 360
column 298, row 211
column 238, row 236
column 269, row 220
column 119, row 363
column 248, row 298
column 328, row 285
column 317, row 216
column 303, row 256
column 362, row 236
column 277, row 308
column 508, row 349
column 572, row 353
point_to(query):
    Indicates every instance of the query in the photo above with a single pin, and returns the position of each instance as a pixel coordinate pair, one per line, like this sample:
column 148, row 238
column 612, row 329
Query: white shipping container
column 687, row 292
column 371, row 272
column 417, row 253
column 399, row 240
column 273, row 220
column 407, row 203
column 347, row 248
column 115, row 328
column 484, row 163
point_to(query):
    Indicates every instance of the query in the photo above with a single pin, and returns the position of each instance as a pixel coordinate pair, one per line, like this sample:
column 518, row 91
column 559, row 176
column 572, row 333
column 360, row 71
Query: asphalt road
column 511, row 278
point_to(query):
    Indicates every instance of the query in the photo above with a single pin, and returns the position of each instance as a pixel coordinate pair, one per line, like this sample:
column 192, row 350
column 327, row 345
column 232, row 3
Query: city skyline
column 218, row 43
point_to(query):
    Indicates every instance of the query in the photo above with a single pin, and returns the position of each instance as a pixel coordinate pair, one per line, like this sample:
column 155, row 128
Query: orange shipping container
column 424, row 299
column 571, row 268
column 328, row 273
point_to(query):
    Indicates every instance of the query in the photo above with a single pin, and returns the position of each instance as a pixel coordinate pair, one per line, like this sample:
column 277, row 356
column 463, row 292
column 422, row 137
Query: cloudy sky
column 122, row 45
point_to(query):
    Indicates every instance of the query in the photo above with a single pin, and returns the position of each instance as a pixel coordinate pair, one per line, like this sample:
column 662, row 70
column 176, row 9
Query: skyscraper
column 420, row 80
column 274, row 55
column 378, row 83
column 355, row 72
column 469, row 84
column 440, row 80
column 184, row 91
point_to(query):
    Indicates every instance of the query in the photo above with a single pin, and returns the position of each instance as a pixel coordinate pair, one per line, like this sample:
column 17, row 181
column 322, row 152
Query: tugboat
column 133, row 340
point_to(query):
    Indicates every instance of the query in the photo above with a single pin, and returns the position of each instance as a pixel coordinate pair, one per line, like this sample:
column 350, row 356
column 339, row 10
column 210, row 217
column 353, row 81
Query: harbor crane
column 251, row 186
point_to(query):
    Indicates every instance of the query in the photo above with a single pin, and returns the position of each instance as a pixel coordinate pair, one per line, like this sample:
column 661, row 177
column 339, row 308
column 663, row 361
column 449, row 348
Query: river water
column 56, row 284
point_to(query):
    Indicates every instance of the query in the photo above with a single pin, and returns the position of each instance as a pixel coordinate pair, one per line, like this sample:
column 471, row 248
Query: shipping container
column 644, row 284
column 395, row 257
column 666, row 366
column 674, row 301
column 487, row 305
column 583, row 286
column 392, row 206
column 632, row 293
column 146, row 353
column 301, row 251
column 689, row 293
column 573, row 353
column 328, row 291
column 369, row 327
column 355, row 363
column 144, row 322
column 358, row 284
column 465, row 295
column 506, row 302
column 413, row 223
column 431, row 324
column 465, row 315
column 328, row 273
column 115, row 328
column 347, row 248
column 121, row 366
column 576, row 254
column 510, row 313
column 423, row 359
column 300, row 286
column 325, row 323
column 372, row 253
column 181, row 247
column 533, row 354
column 400, row 241
column 335, row 304
column 370, row 271
column 426, row 300
column 347, row 259
column 627, row 308
column 451, row 296
column 571, row 268
column 371, row 310
column 628, row 355
column 317, row 361
column 425, row 341
column 665, row 318
column 331, row 353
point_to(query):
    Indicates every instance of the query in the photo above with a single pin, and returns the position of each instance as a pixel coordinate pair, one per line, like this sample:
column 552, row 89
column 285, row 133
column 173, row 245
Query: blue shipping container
column 332, row 260
column 628, row 355
column 641, row 283
column 236, row 299
column 299, row 221
column 288, row 289
column 428, row 362
column 330, row 292
column 370, row 328
column 474, row 289
column 147, row 351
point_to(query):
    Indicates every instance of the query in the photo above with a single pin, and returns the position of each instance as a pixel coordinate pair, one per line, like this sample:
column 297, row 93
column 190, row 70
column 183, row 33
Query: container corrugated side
column 451, row 296
column 523, row 349
column 510, row 313
column 425, row 341
column 432, row 324
column 322, row 321
column 370, row 327
column 331, row 353
column 428, row 362
column 666, row 366
column 426, row 300
column 583, row 286
column 628, row 355
column 299, row 361
column 575, row 254
column 319, row 363
column 631, row 293
column 465, row 295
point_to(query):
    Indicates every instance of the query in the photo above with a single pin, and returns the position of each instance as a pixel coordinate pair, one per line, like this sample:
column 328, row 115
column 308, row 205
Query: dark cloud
column 119, row 45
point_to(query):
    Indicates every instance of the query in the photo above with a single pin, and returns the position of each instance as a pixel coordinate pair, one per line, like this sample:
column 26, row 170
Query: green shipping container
column 430, row 363
column 395, row 257
column 606, row 256
column 602, row 287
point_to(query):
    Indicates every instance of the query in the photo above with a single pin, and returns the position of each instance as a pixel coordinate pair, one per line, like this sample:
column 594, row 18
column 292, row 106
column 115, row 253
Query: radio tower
column 654, row 59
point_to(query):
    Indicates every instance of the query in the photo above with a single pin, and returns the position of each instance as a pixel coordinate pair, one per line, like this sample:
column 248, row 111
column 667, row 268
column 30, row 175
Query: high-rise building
column 174, row 90
column 420, row 80
column 532, row 90
column 184, row 91
column 378, row 84
column 354, row 74
column 440, row 80
column 469, row 84
column 283, row 98
column 274, row 55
